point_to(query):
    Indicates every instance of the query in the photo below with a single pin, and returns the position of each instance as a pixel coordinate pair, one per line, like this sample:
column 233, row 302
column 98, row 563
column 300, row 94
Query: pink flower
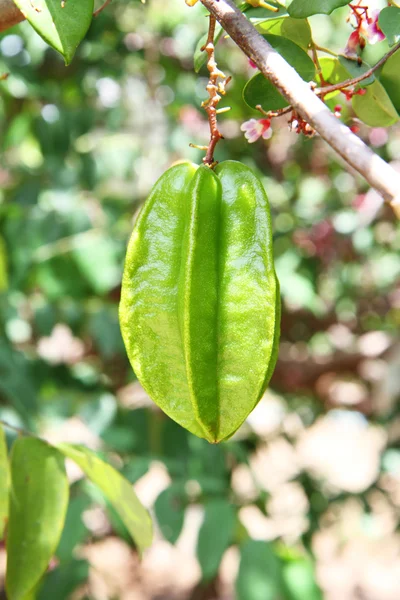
column 256, row 128
column 252, row 64
column 370, row 28
column 354, row 43
column 366, row 30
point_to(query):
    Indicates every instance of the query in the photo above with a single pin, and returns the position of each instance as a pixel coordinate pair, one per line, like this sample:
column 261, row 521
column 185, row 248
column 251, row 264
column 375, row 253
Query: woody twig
column 216, row 89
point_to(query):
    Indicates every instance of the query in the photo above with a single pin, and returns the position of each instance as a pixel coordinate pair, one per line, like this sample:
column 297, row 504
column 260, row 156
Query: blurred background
column 304, row 502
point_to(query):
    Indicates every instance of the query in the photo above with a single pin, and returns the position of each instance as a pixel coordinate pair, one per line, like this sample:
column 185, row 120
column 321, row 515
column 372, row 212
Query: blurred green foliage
column 80, row 149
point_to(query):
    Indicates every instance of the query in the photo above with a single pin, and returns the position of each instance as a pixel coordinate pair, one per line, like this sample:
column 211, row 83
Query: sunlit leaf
column 38, row 505
column 332, row 72
column 299, row 579
column 116, row 489
column 375, row 107
column 61, row 23
column 3, row 266
column 296, row 30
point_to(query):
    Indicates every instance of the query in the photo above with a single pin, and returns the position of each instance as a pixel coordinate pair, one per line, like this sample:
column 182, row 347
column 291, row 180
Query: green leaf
column 389, row 22
column 4, row 482
column 260, row 573
column 170, row 511
column 355, row 70
column 17, row 384
column 38, row 505
column 335, row 71
column 260, row 90
column 258, row 12
column 390, row 79
column 3, row 266
column 301, row 9
column 332, row 72
column 299, row 578
column 200, row 56
column 375, row 108
column 215, row 535
column 75, row 530
column 96, row 257
column 296, row 30
column 61, row 23
column 63, row 581
column 116, row 489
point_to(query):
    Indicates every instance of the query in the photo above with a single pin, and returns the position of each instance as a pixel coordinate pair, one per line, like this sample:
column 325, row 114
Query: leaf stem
column 17, row 429
column 326, row 50
column 102, row 7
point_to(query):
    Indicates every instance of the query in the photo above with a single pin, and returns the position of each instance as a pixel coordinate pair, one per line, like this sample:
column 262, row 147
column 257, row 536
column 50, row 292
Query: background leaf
column 215, row 535
column 390, row 79
column 61, row 24
column 38, row 505
column 389, row 22
column 63, row 581
column 4, row 481
column 117, row 490
column 299, row 579
column 75, row 530
column 97, row 260
column 301, row 9
column 260, row 573
column 170, row 511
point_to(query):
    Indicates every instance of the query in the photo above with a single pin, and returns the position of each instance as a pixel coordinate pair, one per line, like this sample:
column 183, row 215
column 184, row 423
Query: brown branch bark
column 298, row 93
column 10, row 15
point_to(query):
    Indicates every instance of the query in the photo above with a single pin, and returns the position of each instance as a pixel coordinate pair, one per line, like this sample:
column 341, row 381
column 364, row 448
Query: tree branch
column 10, row 15
column 349, row 82
column 298, row 93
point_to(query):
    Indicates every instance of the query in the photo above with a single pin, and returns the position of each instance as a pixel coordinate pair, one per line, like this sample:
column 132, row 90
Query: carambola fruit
column 200, row 304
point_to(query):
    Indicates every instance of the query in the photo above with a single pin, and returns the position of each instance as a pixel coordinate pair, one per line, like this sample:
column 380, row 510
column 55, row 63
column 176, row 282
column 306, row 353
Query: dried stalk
column 216, row 89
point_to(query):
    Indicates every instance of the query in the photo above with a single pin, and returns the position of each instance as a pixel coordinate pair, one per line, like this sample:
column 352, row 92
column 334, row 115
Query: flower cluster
column 366, row 29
